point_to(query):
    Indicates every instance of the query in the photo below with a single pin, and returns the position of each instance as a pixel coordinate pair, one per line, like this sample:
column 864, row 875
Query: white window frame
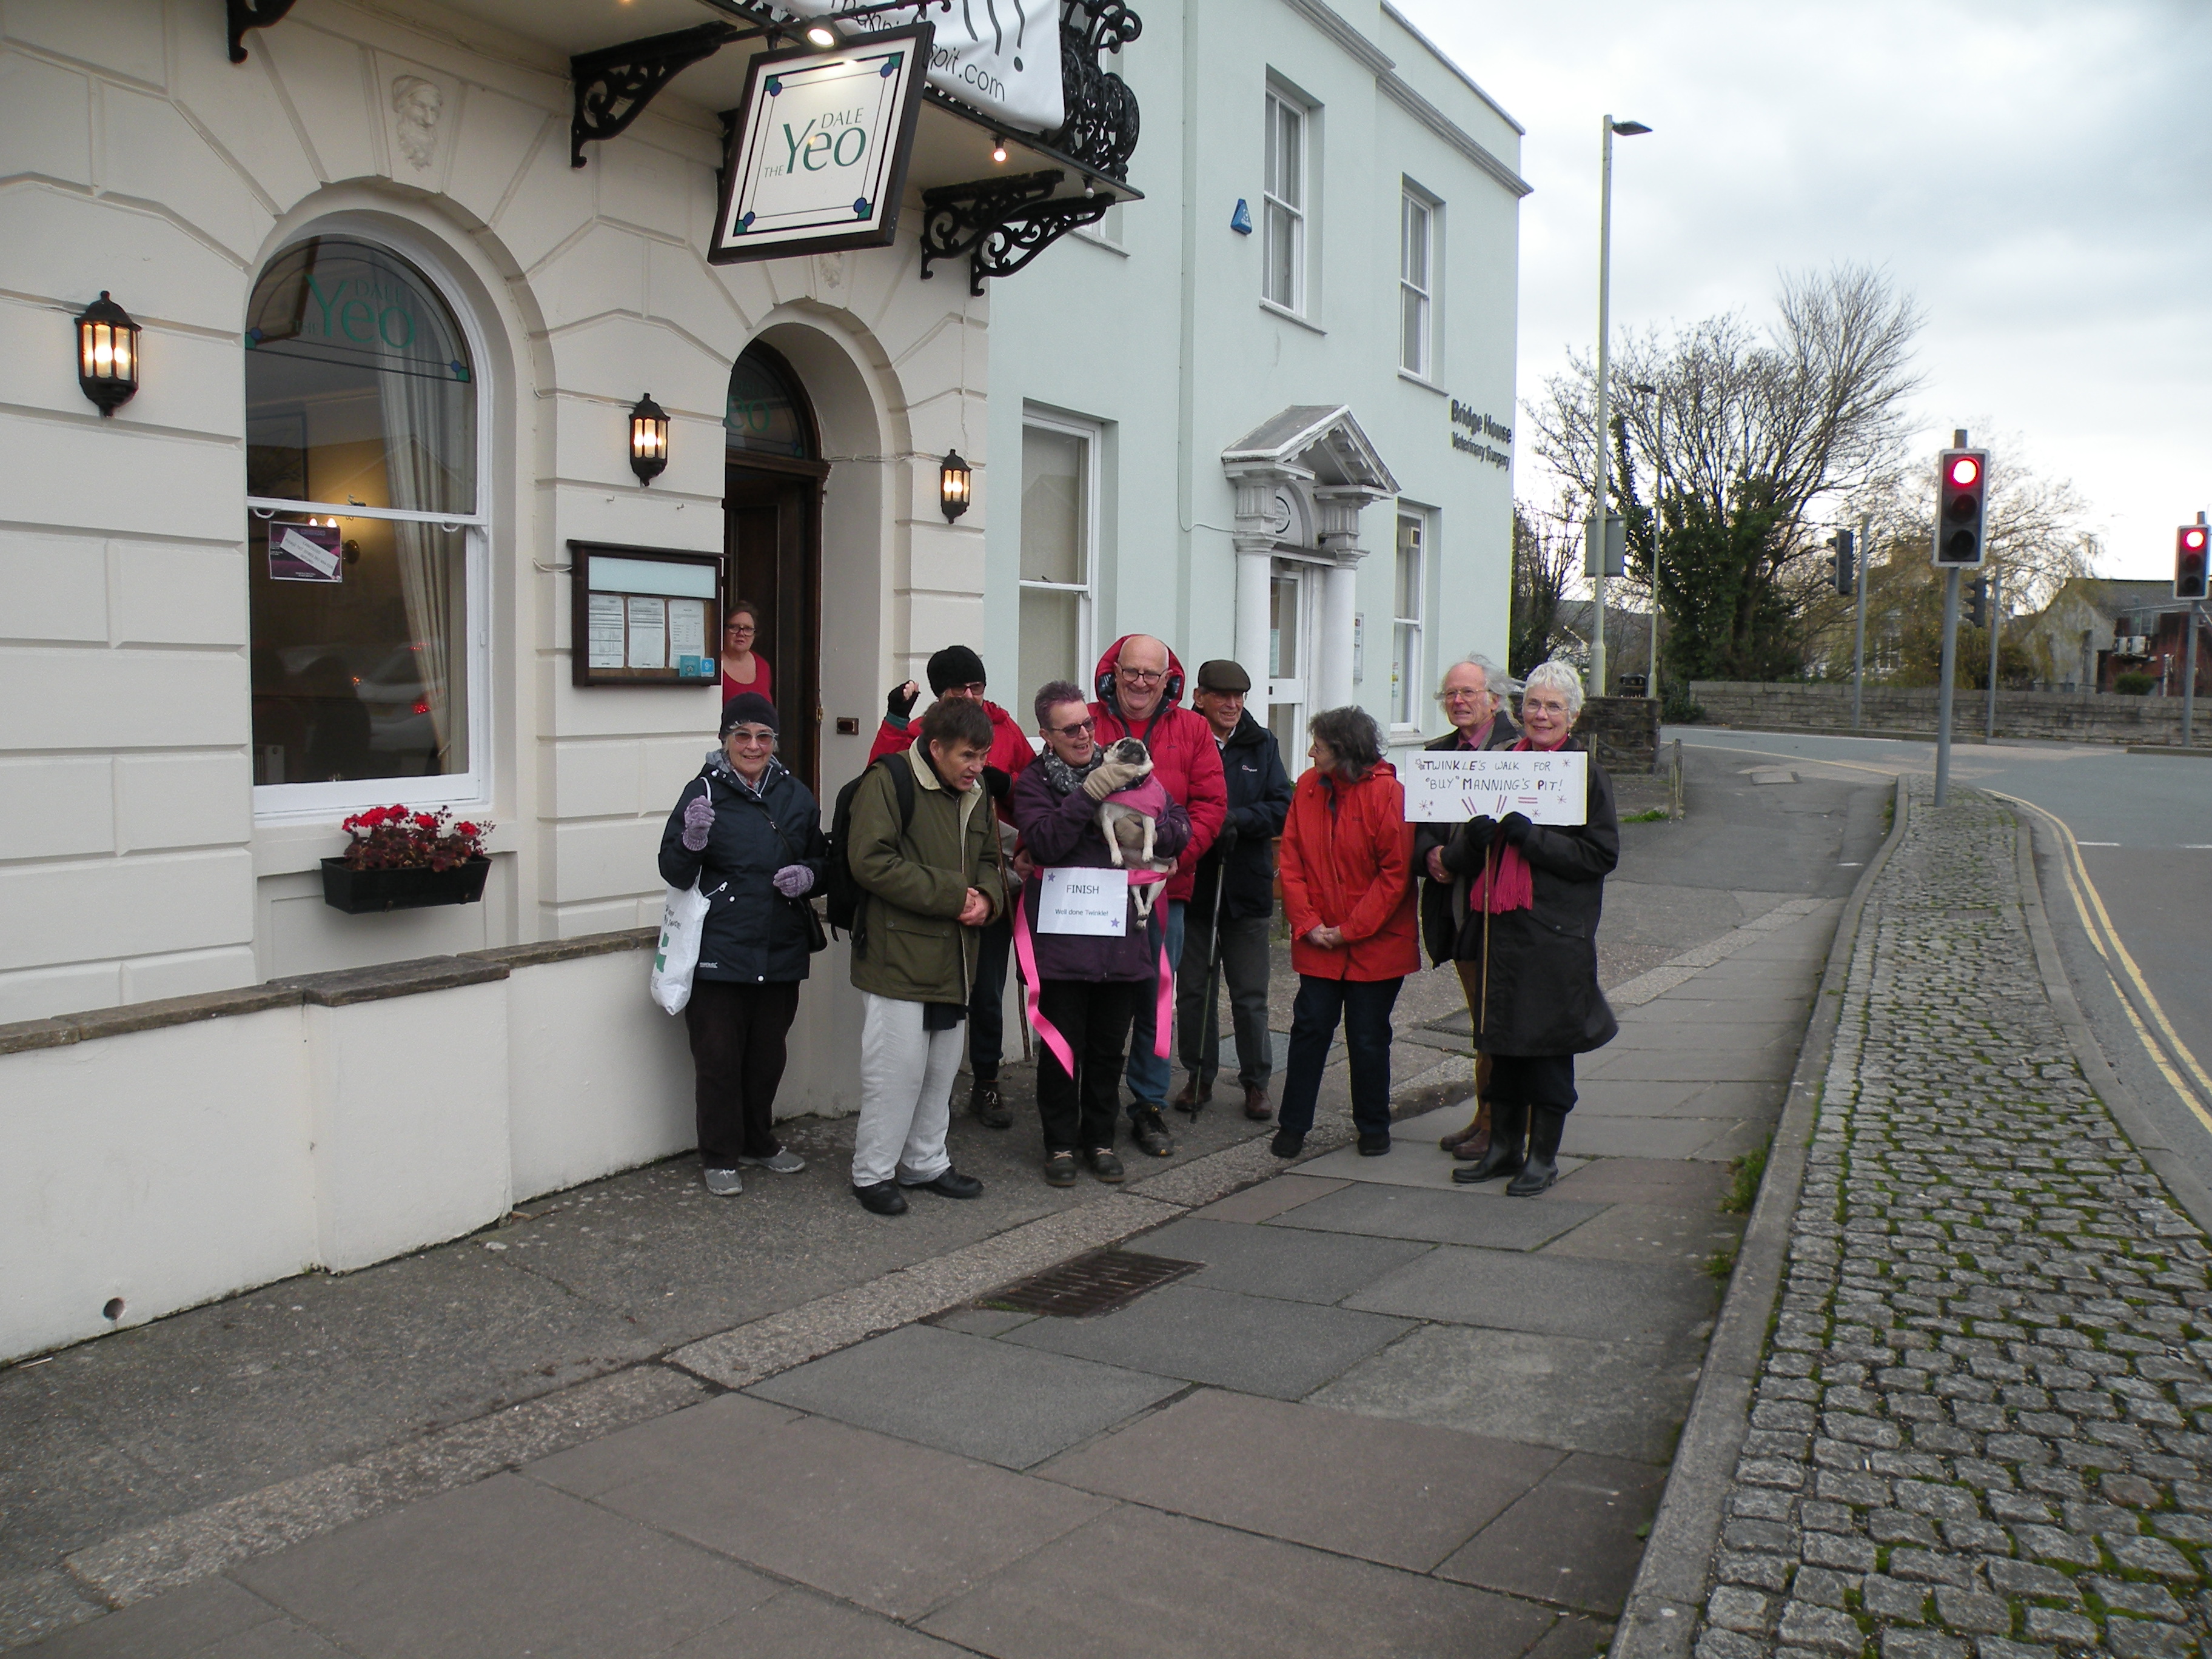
column 1413, row 201
column 1282, row 104
column 300, row 803
column 1092, row 437
column 1407, row 696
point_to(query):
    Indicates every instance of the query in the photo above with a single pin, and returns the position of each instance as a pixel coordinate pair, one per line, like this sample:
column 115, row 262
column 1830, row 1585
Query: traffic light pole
column 1996, row 627
column 1943, row 686
column 1858, row 630
column 2189, row 680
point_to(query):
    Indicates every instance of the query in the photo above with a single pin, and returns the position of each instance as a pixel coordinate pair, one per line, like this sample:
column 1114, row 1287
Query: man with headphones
column 1139, row 685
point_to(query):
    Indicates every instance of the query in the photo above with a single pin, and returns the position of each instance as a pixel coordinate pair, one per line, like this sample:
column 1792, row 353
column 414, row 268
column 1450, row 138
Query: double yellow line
column 2181, row 1068
column 2167, row 1051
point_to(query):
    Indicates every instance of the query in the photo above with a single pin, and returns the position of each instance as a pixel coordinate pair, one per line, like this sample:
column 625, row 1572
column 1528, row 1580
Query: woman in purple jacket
column 1083, row 988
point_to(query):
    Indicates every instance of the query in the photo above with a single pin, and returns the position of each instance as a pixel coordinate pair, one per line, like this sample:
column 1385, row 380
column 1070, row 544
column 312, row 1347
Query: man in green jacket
column 929, row 888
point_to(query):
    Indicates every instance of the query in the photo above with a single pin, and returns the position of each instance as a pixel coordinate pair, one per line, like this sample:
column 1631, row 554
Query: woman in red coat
column 1346, row 852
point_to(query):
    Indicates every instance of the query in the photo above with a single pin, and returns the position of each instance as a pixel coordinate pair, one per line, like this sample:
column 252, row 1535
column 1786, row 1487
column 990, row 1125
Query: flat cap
column 1223, row 675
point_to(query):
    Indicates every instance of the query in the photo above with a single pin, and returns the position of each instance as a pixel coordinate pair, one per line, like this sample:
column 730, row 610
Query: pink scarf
column 1506, row 882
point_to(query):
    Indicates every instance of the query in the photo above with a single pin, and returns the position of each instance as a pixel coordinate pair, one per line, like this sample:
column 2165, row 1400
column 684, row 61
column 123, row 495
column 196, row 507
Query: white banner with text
column 1454, row 784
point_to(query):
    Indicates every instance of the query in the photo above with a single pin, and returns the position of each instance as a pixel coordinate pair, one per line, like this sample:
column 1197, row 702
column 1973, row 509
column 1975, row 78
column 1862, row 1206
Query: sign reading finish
column 817, row 160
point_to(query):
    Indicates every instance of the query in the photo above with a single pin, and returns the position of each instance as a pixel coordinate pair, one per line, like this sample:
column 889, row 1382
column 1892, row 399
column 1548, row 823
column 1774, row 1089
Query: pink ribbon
column 1048, row 1033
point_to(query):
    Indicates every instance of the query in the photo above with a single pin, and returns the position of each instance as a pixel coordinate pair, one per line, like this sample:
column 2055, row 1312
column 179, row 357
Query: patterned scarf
column 1065, row 779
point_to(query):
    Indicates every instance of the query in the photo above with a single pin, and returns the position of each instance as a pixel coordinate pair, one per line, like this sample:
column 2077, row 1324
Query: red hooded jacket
column 1010, row 750
column 1345, row 865
column 1185, row 758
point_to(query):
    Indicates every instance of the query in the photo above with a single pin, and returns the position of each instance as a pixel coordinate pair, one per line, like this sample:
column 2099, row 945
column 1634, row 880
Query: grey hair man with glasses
column 1473, row 696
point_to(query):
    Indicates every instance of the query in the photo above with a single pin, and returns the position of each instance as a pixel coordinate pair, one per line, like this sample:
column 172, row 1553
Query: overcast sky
column 2038, row 175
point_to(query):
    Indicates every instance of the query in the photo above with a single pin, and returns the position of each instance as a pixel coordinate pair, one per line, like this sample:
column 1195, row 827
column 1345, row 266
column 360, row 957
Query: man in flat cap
column 1232, row 903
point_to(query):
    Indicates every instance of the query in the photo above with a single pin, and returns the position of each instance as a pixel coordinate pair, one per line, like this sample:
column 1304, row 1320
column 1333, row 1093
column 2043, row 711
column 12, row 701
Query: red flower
column 425, row 820
column 468, row 829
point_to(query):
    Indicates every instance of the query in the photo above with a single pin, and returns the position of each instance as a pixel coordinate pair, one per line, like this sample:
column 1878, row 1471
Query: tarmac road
column 2131, row 922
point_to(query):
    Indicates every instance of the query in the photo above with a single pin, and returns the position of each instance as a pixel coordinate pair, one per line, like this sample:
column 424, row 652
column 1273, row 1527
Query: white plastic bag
column 683, row 918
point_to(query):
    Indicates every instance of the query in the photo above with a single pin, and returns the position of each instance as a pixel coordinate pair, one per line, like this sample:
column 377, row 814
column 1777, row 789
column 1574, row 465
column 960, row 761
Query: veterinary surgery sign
column 818, row 161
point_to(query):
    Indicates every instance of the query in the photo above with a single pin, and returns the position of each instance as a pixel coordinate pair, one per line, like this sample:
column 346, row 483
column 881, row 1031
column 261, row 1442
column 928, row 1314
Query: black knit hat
column 747, row 708
column 955, row 665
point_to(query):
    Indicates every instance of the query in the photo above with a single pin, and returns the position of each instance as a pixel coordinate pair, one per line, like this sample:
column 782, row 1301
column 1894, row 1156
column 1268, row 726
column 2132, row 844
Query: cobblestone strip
column 1984, row 1419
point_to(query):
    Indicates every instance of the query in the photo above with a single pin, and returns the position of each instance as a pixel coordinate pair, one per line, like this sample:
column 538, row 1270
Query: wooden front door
column 772, row 525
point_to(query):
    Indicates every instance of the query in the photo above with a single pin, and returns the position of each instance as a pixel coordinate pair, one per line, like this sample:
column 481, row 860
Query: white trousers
column 906, row 1094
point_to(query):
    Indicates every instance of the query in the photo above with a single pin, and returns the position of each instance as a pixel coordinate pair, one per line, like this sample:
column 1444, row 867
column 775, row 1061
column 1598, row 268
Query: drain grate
column 1094, row 1284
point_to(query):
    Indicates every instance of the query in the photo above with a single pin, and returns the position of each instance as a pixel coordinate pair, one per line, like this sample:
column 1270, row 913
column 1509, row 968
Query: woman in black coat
column 1527, row 897
column 750, row 835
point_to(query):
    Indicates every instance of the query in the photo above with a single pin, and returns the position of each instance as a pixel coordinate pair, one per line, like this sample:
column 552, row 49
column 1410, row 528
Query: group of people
column 963, row 836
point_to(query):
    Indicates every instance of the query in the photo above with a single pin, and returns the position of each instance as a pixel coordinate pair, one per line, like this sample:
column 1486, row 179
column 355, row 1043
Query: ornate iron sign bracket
column 614, row 84
column 1001, row 224
column 252, row 15
column 1100, row 128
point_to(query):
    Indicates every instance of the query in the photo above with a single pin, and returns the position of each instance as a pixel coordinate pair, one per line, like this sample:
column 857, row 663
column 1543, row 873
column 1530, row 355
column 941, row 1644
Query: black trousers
column 1534, row 1080
column 987, row 1006
column 1077, row 1112
column 1363, row 1006
column 737, row 1049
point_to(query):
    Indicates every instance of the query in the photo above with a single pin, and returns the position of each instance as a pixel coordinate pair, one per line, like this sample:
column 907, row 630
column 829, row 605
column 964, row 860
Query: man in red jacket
column 1139, row 685
column 954, row 673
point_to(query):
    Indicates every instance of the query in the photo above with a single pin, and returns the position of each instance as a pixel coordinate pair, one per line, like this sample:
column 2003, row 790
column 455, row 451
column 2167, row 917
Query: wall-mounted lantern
column 107, row 354
column 648, row 440
column 954, row 477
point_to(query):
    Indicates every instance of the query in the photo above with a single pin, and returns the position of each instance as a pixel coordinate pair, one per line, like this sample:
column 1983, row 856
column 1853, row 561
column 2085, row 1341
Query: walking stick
column 1212, row 1036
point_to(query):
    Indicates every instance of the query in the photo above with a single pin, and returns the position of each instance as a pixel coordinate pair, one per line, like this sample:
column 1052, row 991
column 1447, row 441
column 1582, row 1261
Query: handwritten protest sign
column 1452, row 785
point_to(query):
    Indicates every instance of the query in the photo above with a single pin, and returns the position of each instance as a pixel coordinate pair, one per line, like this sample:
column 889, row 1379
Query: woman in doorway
column 744, row 669
column 1345, row 851
column 750, row 835
column 1527, row 947
column 1087, row 984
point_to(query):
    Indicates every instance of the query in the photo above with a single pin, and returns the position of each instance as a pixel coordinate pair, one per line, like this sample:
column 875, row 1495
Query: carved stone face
column 418, row 103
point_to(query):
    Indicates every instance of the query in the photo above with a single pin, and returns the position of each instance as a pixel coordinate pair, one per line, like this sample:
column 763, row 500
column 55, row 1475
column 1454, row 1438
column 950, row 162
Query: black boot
column 1542, row 1167
column 1509, row 1121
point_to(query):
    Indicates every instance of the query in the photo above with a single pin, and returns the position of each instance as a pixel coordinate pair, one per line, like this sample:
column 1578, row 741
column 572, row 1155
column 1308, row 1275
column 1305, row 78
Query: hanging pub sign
column 817, row 157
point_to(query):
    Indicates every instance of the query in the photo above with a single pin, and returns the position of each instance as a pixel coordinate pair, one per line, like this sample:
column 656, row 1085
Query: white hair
column 1560, row 677
column 1495, row 680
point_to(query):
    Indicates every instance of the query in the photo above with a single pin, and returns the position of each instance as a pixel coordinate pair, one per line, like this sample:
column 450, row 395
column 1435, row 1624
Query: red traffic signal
column 1962, row 478
column 2189, row 555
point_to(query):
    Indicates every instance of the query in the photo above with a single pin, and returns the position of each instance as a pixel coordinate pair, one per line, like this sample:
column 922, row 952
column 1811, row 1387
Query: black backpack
column 841, row 894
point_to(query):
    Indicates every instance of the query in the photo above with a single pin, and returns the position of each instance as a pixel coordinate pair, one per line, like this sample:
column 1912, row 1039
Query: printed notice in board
column 648, row 633
column 1452, row 785
column 306, row 553
column 606, row 632
column 687, row 635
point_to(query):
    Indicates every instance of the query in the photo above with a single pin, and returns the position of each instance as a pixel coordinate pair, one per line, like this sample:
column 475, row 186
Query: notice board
column 645, row 616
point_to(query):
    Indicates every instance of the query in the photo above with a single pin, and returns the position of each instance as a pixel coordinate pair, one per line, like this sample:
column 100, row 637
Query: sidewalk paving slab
column 1469, row 1216
column 1621, row 1399
column 1572, row 1538
column 1256, row 1345
column 1401, row 1494
column 992, row 1401
column 1296, row 1267
column 1552, row 1296
column 800, row 1625
column 1186, row 1590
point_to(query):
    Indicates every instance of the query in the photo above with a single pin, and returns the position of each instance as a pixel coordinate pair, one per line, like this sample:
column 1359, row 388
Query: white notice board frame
column 1451, row 786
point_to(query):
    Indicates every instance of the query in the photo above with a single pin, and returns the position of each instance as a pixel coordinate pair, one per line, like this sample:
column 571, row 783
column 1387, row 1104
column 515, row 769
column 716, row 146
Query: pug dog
column 1129, row 818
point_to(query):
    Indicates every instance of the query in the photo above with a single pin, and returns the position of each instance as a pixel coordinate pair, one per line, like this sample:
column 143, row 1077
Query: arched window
column 364, row 531
column 767, row 414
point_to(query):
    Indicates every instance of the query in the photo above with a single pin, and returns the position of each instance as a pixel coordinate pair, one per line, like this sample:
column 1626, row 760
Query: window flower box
column 405, row 860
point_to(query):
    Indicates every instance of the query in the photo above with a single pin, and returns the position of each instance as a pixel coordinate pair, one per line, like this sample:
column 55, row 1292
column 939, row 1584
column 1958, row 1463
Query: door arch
column 772, row 534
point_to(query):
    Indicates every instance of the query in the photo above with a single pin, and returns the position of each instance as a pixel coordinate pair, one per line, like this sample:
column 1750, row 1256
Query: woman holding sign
column 1526, row 898
column 1086, row 952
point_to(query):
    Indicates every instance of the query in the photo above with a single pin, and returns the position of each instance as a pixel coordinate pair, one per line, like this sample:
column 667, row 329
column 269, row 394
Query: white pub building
column 400, row 389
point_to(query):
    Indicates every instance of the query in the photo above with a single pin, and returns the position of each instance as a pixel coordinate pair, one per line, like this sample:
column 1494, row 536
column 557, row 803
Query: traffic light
column 1846, row 572
column 2189, row 561
column 1978, row 602
column 1962, row 481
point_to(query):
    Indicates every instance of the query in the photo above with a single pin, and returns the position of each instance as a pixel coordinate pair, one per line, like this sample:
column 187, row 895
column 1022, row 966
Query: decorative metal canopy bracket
column 614, row 84
column 1001, row 224
column 252, row 15
column 1099, row 129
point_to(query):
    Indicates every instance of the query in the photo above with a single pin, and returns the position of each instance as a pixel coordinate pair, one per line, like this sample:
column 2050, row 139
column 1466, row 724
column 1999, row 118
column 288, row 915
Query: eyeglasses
column 1547, row 704
column 752, row 737
column 1140, row 676
column 1074, row 731
column 1460, row 693
column 741, row 628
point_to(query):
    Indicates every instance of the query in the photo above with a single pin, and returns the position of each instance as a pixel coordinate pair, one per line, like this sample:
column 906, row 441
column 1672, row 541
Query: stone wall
column 1623, row 733
column 2078, row 717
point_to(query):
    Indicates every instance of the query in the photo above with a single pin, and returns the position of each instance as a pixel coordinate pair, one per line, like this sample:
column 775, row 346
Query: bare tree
column 1747, row 440
column 1544, row 550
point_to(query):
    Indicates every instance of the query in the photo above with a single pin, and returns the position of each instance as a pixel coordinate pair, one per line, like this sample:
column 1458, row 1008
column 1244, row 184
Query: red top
column 761, row 677
column 1010, row 751
column 1350, row 868
column 1185, row 759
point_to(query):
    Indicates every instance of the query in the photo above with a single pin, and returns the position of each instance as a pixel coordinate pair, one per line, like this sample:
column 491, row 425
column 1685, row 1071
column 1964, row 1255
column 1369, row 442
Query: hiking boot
column 1060, row 1170
column 1193, row 1094
column 1375, row 1145
column 1287, row 1143
column 1257, row 1107
column 1150, row 1133
column 950, row 1184
column 989, row 1106
column 881, row 1198
column 1104, row 1164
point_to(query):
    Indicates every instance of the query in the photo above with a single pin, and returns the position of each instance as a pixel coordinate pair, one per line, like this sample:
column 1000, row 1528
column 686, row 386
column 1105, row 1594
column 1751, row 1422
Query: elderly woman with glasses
column 1345, row 851
column 1524, row 905
column 744, row 669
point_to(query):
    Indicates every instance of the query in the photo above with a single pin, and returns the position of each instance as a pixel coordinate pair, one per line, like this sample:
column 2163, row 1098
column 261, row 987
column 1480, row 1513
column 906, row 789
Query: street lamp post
column 1658, row 519
column 1627, row 129
column 1858, row 626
